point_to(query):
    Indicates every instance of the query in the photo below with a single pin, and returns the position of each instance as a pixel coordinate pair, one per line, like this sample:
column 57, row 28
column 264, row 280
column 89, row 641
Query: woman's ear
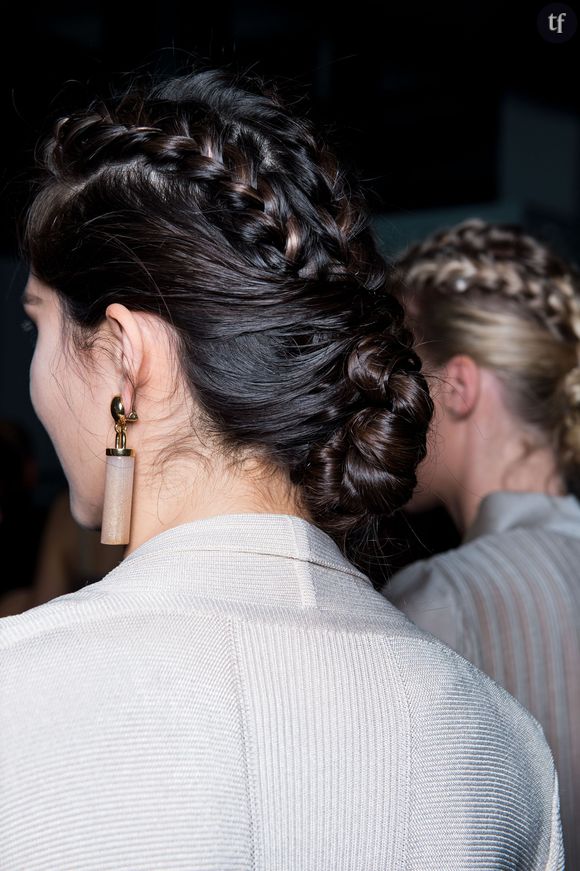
column 128, row 330
column 460, row 386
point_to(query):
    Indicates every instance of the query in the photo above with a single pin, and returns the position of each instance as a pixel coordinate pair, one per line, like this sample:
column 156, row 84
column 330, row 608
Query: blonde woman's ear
column 460, row 386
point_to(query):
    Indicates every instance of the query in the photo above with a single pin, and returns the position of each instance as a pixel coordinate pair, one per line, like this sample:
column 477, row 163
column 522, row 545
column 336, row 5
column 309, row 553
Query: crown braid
column 500, row 267
column 475, row 257
column 302, row 222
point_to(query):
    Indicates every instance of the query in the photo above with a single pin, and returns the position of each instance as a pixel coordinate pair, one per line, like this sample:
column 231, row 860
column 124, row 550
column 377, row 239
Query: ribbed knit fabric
column 236, row 695
column 508, row 599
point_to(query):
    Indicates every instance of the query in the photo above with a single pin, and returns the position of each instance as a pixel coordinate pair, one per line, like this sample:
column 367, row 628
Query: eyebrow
column 29, row 298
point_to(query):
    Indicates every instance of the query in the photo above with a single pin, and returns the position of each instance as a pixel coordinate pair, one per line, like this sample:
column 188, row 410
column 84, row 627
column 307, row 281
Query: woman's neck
column 537, row 473
column 188, row 493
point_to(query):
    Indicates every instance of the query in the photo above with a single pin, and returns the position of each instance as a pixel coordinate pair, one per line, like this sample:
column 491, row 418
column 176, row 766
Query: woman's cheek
column 40, row 392
column 34, row 386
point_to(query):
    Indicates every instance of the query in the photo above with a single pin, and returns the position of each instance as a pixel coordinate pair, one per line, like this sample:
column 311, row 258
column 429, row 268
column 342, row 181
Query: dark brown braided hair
column 202, row 199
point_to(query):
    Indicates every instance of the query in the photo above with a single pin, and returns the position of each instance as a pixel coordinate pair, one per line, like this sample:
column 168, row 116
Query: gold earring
column 116, row 524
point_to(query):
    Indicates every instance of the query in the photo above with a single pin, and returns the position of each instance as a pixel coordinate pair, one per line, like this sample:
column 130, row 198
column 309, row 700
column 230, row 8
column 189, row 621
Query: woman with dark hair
column 496, row 313
column 212, row 310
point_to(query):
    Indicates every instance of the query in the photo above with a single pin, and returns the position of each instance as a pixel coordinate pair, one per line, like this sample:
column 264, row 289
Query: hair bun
column 372, row 364
column 368, row 467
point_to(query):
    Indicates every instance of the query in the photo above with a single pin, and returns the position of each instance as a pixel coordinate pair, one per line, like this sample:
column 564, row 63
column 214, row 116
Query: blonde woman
column 497, row 317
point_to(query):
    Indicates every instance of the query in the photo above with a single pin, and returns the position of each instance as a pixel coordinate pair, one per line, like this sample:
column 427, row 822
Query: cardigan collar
column 284, row 535
column 215, row 557
column 503, row 510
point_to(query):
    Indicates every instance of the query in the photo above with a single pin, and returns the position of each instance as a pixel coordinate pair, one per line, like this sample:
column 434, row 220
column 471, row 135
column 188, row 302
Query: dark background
column 449, row 110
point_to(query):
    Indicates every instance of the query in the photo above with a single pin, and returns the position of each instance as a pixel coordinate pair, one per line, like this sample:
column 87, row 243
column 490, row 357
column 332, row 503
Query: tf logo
column 557, row 22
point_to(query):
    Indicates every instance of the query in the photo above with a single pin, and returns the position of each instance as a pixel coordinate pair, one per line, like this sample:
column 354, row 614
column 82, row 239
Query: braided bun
column 367, row 466
column 203, row 200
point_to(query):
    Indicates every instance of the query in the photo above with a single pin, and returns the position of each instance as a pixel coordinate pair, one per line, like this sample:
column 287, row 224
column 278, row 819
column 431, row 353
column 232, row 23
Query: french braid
column 205, row 200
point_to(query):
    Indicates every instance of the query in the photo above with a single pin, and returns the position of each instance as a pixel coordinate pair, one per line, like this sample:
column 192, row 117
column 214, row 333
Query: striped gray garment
column 508, row 599
column 236, row 696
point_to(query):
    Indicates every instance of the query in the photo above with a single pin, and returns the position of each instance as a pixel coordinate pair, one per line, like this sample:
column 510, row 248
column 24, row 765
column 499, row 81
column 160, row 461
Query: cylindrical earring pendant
column 116, row 523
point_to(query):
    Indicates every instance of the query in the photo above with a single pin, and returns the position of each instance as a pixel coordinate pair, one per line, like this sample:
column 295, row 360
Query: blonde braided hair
column 509, row 301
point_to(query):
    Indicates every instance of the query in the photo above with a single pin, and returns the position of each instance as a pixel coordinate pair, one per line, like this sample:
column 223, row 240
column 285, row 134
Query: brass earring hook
column 121, row 419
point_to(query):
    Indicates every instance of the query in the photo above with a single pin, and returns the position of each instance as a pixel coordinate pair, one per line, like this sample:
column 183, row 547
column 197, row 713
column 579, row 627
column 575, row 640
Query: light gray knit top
column 508, row 599
column 236, row 695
